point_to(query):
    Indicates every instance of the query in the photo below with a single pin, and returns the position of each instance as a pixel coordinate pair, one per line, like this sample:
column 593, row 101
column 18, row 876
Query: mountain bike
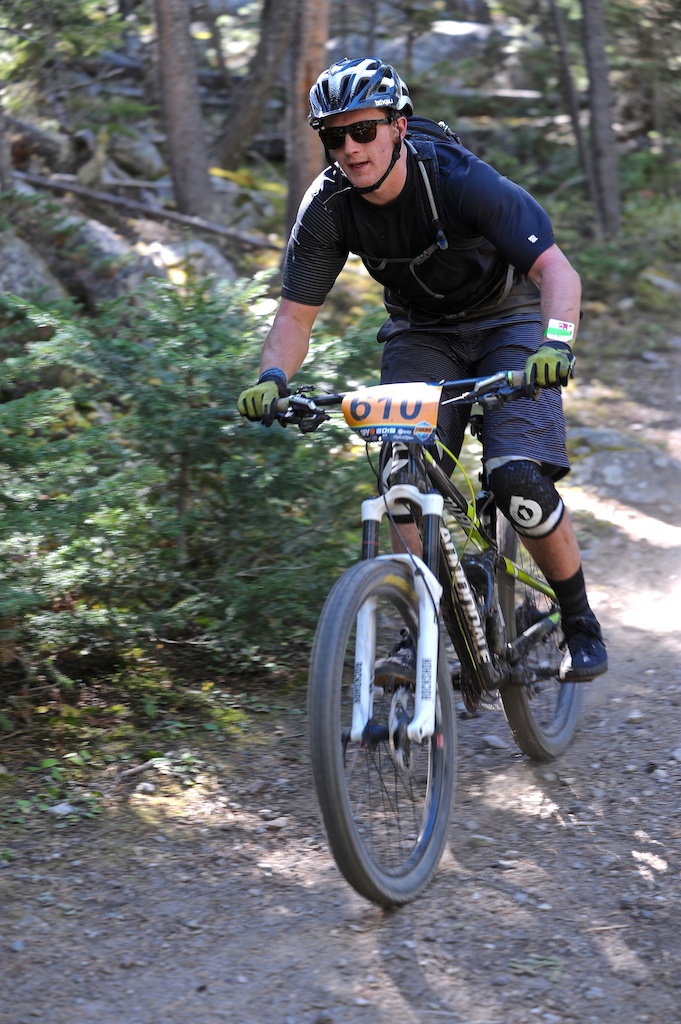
column 383, row 740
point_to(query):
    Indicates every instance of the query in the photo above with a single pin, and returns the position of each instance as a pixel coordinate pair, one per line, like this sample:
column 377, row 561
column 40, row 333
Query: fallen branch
column 65, row 89
column 131, row 204
column 12, row 735
column 158, row 186
column 138, row 769
column 607, row 928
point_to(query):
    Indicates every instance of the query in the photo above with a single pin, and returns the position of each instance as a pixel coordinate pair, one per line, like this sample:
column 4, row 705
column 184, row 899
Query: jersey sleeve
column 505, row 214
column 315, row 254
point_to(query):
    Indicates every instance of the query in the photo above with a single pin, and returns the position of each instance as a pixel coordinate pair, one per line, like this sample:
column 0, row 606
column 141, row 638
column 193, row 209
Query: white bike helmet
column 357, row 85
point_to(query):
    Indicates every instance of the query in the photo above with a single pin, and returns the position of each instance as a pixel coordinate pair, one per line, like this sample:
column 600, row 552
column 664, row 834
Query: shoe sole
column 583, row 677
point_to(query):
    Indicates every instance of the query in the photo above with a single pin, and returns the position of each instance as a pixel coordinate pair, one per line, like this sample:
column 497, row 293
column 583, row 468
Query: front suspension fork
column 428, row 592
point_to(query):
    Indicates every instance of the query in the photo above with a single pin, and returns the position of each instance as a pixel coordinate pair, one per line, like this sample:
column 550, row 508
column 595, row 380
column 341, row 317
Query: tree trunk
column 211, row 19
column 343, row 23
column 251, row 93
column 6, row 177
column 307, row 59
column 187, row 151
column 372, row 15
column 572, row 101
column 607, row 199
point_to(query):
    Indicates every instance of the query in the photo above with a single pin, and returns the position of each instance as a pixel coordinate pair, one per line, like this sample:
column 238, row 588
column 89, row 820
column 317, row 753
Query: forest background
column 160, row 557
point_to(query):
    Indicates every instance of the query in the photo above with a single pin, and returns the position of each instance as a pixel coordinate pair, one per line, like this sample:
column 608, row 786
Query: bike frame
column 489, row 668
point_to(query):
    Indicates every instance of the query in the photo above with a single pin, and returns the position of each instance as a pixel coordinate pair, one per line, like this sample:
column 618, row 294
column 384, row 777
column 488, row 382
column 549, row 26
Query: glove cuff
column 562, row 345
column 279, row 378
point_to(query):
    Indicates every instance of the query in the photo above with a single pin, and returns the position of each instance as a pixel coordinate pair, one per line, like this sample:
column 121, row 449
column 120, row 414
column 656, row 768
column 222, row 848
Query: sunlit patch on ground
column 646, row 603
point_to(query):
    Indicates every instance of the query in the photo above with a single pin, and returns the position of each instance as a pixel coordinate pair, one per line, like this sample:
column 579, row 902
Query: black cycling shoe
column 585, row 657
column 399, row 668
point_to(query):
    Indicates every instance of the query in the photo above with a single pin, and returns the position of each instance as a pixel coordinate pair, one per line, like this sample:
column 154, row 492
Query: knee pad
column 527, row 497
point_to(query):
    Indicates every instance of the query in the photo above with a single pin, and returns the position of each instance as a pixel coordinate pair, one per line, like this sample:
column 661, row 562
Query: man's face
column 364, row 162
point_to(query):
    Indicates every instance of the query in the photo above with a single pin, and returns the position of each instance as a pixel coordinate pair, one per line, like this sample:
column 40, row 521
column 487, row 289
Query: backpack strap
column 440, row 236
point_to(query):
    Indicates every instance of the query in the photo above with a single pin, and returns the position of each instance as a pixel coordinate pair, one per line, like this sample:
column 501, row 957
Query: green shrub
column 137, row 501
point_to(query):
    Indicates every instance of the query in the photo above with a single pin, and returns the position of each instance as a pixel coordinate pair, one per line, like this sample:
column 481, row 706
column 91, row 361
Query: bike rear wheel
column 385, row 808
column 542, row 714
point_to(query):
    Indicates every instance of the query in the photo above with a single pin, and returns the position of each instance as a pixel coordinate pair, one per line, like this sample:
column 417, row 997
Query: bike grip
column 281, row 405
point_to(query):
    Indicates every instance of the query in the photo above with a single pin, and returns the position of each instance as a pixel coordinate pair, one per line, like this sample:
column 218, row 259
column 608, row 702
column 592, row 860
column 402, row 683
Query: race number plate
column 394, row 412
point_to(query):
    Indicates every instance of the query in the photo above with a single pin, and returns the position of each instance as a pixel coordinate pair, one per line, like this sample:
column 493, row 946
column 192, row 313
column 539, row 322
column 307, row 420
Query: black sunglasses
column 360, row 131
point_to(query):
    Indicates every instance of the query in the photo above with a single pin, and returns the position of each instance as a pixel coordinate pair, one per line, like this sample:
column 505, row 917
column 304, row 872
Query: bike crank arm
column 523, row 644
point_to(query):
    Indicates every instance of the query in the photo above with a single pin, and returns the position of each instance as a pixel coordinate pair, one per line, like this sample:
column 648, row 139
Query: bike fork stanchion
column 365, row 656
column 429, row 592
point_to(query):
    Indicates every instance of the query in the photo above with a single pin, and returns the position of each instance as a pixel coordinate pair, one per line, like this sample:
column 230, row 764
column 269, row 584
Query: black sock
column 571, row 595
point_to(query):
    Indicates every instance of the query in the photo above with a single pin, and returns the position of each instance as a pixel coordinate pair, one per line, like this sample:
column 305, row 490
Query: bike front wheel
column 543, row 712
column 385, row 803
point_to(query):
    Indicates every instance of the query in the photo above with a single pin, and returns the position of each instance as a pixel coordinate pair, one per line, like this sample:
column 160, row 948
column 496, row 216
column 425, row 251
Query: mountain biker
column 474, row 282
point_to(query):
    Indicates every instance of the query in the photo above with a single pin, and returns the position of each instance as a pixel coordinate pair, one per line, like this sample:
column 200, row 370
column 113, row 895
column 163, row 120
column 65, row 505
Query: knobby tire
column 543, row 714
column 386, row 823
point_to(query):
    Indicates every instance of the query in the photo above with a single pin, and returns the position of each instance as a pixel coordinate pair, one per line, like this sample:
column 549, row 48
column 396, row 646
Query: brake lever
column 311, row 422
column 302, row 412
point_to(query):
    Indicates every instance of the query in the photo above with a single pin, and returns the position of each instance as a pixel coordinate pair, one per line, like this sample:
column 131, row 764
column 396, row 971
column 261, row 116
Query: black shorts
column 523, row 428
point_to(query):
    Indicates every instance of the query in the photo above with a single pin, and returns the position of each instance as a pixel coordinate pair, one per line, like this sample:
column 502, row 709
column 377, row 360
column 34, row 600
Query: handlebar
column 307, row 411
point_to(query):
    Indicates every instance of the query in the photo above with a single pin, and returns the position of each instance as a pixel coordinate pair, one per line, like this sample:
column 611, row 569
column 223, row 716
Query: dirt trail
column 558, row 900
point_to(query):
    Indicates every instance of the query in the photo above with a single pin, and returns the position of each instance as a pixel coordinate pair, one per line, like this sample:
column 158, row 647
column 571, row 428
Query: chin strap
column 397, row 148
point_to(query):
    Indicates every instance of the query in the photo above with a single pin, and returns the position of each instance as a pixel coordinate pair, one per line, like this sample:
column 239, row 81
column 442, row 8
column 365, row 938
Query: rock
column 478, row 840
column 137, row 155
column 145, row 787
column 24, row 272
column 661, row 281
column 62, row 809
column 111, row 269
column 446, row 41
column 37, row 148
column 614, row 475
column 194, row 255
column 494, row 742
column 276, row 824
column 654, row 359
